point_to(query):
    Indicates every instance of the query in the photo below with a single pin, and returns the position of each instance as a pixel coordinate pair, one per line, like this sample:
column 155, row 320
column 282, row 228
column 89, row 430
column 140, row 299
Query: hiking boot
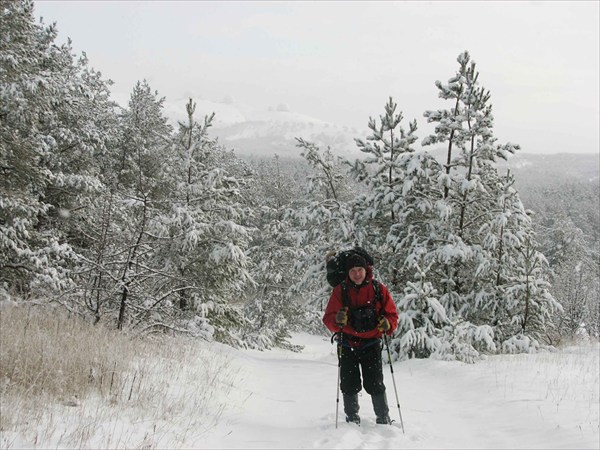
column 384, row 420
column 351, row 408
column 381, row 409
column 353, row 419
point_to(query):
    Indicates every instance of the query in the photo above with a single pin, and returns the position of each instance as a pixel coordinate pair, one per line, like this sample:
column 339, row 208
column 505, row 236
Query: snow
column 279, row 400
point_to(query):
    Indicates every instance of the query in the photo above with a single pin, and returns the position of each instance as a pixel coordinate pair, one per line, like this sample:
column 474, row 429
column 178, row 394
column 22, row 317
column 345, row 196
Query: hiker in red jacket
column 361, row 310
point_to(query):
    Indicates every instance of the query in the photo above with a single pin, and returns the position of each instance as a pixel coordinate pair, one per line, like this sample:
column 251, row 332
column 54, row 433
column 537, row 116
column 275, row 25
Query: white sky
column 339, row 61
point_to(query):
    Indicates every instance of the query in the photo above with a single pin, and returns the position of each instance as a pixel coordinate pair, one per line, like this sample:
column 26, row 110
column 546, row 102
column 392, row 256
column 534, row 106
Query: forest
column 116, row 216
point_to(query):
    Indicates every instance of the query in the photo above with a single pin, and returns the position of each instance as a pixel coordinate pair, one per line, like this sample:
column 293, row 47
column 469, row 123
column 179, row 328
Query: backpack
column 336, row 266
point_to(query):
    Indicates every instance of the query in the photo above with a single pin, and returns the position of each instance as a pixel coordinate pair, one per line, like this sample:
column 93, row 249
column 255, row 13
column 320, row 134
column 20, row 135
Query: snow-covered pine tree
column 204, row 237
column 55, row 122
column 528, row 298
column 271, row 311
column 396, row 213
column 567, row 228
column 484, row 238
column 575, row 282
column 120, row 274
column 466, row 129
column 324, row 222
column 501, row 238
column 507, row 238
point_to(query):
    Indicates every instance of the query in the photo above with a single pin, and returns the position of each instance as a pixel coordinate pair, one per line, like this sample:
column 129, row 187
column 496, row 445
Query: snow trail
column 290, row 397
column 287, row 400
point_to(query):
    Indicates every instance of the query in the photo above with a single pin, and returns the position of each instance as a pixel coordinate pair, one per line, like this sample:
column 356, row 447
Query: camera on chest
column 363, row 319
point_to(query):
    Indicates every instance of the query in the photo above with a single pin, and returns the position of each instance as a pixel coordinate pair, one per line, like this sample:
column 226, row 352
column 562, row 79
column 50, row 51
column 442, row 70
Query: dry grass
column 46, row 352
column 66, row 383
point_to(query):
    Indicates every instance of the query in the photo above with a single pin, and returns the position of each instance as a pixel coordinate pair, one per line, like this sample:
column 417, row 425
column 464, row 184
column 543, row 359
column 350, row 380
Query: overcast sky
column 340, row 61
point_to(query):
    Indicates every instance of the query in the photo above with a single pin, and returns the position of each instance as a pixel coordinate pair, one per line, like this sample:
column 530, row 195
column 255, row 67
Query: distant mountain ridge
column 250, row 131
column 544, row 170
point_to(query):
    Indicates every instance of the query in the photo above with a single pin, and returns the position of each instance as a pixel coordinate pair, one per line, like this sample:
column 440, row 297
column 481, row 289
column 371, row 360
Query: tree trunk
column 125, row 278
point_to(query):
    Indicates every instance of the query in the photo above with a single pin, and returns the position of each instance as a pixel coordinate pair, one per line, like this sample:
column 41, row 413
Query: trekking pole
column 393, row 380
column 337, row 399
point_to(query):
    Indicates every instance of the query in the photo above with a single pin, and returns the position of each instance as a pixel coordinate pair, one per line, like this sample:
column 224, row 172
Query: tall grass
column 67, row 383
column 46, row 352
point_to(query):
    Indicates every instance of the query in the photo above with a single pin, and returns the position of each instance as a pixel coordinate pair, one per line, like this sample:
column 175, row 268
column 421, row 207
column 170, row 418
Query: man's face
column 357, row 275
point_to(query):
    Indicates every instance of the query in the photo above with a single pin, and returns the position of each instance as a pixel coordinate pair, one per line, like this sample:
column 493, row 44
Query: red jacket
column 360, row 296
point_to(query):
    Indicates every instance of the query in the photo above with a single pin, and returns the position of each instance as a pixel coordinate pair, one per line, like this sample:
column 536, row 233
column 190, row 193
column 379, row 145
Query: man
column 361, row 316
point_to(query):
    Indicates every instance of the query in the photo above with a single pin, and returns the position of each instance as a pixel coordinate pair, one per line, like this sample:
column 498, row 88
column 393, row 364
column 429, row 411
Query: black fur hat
column 355, row 260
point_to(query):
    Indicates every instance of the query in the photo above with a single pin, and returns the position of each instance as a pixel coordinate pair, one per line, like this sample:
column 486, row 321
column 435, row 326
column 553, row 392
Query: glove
column 341, row 318
column 383, row 325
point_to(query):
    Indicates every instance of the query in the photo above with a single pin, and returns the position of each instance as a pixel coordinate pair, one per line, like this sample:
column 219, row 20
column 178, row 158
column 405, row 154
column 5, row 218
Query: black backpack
column 336, row 266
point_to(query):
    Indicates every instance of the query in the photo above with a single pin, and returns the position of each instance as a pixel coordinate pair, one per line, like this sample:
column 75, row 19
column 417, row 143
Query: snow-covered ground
column 548, row 400
column 279, row 399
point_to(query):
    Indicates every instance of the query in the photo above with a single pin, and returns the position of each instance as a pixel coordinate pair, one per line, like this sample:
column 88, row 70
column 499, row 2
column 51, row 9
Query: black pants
column 366, row 360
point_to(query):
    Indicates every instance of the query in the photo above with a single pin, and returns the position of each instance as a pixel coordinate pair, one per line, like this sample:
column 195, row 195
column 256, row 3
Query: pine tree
column 529, row 301
column 383, row 169
column 205, row 239
column 487, row 231
column 566, row 227
column 55, row 122
column 574, row 282
column 271, row 311
column 142, row 184
column 471, row 152
column 324, row 222
column 420, row 321
column 396, row 179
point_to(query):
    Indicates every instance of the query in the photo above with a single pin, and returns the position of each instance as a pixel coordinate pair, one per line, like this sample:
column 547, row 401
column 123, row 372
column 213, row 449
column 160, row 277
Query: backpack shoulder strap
column 377, row 289
column 345, row 298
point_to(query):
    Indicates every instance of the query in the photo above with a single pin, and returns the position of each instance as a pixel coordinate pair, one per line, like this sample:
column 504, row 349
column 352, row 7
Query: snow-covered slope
column 283, row 400
column 250, row 130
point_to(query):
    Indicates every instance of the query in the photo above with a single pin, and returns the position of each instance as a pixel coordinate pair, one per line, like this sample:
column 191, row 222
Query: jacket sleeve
column 333, row 306
column 389, row 309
